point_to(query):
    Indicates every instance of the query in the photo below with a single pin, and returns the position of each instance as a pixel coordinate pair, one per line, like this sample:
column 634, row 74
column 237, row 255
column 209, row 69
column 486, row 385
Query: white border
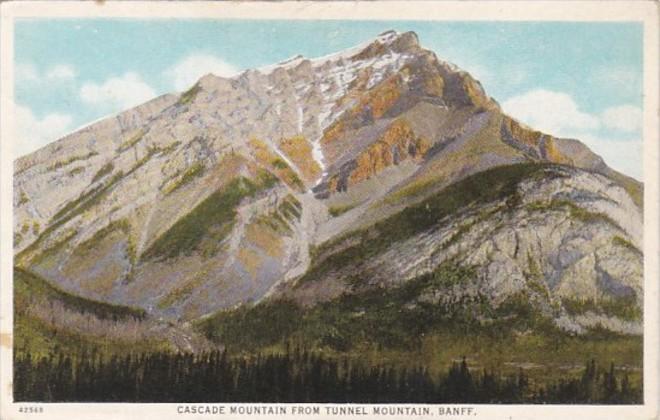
column 639, row 11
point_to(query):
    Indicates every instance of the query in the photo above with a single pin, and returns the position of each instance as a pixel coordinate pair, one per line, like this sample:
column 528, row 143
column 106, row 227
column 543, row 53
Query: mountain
column 379, row 169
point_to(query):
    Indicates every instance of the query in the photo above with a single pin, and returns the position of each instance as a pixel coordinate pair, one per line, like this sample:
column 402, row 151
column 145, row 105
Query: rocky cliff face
column 259, row 185
column 558, row 235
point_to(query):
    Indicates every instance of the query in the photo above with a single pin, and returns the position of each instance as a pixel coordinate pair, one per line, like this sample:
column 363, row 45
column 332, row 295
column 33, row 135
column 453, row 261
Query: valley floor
column 279, row 352
column 446, row 368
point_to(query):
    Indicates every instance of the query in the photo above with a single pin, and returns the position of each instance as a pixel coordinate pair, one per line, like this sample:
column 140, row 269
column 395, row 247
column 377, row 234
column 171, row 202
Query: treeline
column 296, row 376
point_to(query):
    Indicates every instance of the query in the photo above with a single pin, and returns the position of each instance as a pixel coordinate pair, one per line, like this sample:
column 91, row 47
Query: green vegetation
column 296, row 181
column 73, row 208
column 55, row 247
column 279, row 220
column 287, row 173
column 254, row 327
column 117, row 225
column 78, row 202
column 72, row 159
column 150, row 152
column 413, row 189
column 266, row 180
column 535, row 278
column 393, row 317
column 85, row 200
column 131, row 141
column 40, row 338
column 624, row 243
column 420, row 322
column 519, row 312
column 622, row 307
column 27, row 284
column 465, row 227
column 275, row 221
column 634, row 188
column 105, row 169
column 216, row 210
column 496, row 184
column 188, row 96
column 280, row 164
column 298, row 376
column 76, row 171
column 586, row 216
column 170, row 148
column 212, row 240
column 18, row 238
column 398, row 318
column 290, row 207
column 389, row 317
column 339, row 210
column 23, row 198
column 576, row 212
column 179, row 293
column 193, row 171
column 541, row 206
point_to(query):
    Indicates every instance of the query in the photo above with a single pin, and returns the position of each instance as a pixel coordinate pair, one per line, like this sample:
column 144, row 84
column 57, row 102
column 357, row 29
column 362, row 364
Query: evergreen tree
column 295, row 376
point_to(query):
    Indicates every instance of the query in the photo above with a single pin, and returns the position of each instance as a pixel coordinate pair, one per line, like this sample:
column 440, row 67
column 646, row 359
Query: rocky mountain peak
column 217, row 196
column 377, row 52
column 400, row 41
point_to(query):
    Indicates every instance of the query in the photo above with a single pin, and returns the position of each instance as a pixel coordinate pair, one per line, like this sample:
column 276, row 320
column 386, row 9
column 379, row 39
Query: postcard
column 329, row 210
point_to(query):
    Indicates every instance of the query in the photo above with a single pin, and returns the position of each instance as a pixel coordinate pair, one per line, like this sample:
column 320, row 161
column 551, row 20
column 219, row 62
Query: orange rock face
column 523, row 134
column 333, row 183
column 274, row 164
column 553, row 154
column 474, row 92
column 434, row 85
column 371, row 51
column 397, row 143
column 299, row 151
column 333, row 132
column 383, row 97
column 379, row 100
column 536, row 140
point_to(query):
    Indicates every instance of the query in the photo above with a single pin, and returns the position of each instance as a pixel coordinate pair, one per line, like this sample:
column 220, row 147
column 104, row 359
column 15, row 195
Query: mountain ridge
column 223, row 195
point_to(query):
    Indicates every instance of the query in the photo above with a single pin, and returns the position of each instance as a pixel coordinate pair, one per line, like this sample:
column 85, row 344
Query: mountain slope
column 46, row 319
column 555, row 233
column 310, row 179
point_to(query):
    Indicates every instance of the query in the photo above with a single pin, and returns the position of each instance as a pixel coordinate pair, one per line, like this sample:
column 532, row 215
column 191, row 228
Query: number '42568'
column 30, row 409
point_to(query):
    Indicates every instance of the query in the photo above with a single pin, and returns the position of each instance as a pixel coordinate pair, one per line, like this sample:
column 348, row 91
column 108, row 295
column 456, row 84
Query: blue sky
column 579, row 80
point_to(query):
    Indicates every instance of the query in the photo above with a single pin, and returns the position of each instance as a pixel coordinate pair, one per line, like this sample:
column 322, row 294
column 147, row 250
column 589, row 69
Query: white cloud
column 60, row 72
column 117, row 93
column 186, row 72
column 622, row 155
column 552, row 112
column 558, row 114
column 33, row 133
column 623, row 118
column 27, row 72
